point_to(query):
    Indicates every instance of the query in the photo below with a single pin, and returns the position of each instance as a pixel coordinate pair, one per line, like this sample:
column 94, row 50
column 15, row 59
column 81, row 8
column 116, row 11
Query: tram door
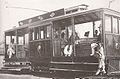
column 62, row 30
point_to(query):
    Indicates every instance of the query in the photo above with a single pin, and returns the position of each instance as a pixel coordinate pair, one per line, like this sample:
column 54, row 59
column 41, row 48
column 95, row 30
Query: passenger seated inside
column 63, row 41
column 11, row 49
column 97, row 48
column 69, row 47
column 39, row 48
column 96, row 33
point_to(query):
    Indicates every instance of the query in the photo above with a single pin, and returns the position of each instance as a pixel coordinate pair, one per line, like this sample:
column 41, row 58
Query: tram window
column 63, row 32
column 119, row 26
column 115, row 25
column 26, row 39
column 33, row 37
column 20, row 40
column 56, row 32
column 36, row 33
column 31, row 34
column 48, row 31
column 45, row 32
column 81, row 29
column 108, row 24
column 7, row 39
column 14, row 37
column 41, row 32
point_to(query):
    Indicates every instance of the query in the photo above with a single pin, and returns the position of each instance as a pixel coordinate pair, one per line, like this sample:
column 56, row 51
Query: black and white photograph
column 59, row 39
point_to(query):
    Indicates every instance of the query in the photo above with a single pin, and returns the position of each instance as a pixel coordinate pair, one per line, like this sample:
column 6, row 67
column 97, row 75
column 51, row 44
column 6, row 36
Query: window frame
column 117, row 26
column 110, row 30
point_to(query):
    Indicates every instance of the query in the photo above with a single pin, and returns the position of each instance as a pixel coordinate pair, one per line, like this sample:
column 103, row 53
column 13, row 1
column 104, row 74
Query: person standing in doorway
column 98, row 49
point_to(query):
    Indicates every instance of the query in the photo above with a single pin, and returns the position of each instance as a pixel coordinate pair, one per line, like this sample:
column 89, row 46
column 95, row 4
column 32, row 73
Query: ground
column 11, row 76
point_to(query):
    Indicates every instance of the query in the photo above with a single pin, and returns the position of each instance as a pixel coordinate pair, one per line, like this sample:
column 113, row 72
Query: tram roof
column 105, row 10
column 16, row 28
column 48, row 21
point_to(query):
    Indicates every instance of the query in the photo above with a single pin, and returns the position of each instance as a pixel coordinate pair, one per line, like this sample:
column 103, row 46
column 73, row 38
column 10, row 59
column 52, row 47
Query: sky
column 9, row 17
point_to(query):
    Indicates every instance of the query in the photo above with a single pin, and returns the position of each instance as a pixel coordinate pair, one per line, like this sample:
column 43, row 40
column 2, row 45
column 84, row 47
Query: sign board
column 43, row 17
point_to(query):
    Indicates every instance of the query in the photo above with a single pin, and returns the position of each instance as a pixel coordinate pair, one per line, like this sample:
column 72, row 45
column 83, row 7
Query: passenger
column 68, row 50
column 101, row 66
column 69, row 47
column 63, row 41
column 39, row 49
column 96, row 32
column 98, row 49
column 11, row 49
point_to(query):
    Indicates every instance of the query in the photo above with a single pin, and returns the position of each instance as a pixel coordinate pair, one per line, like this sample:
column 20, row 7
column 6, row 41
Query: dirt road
column 11, row 76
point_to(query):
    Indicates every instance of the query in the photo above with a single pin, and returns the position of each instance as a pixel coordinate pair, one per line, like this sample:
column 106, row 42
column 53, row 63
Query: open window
column 87, row 29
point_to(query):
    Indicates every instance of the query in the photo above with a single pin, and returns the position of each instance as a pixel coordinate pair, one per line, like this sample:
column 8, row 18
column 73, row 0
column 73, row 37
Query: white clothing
column 68, row 52
column 10, row 51
column 101, row 57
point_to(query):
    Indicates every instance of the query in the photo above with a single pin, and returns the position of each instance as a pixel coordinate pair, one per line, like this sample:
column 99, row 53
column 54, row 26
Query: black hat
column 87, row 33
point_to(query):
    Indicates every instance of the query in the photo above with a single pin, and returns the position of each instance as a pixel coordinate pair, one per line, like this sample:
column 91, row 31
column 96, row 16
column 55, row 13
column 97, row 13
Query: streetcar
column 16, row 49
column 50, row 37
column 60, row 41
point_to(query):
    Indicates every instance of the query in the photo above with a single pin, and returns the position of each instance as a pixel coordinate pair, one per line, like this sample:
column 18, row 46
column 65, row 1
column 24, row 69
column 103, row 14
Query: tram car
column 62, row 44
column 16, row 49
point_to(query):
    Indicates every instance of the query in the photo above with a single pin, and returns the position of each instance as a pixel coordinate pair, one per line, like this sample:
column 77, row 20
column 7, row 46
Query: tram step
column 75, row 65
column 15, row 68
column 56, row 69
column 86, row 63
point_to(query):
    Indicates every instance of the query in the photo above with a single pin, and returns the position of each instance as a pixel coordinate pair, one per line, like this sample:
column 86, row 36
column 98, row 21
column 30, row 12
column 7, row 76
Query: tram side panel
column 112, row 52
column 112, row 43
column 40, row 48
column 40, row 53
